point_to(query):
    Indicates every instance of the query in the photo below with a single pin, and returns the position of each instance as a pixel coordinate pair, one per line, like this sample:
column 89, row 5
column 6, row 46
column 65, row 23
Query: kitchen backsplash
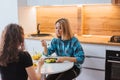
column 47, row 16
column 101, row 19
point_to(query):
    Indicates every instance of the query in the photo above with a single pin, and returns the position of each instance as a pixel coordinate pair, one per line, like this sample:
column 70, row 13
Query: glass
column 36, row 55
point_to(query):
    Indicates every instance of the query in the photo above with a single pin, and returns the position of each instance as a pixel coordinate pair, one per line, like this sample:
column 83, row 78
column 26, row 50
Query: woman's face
column 58, row 30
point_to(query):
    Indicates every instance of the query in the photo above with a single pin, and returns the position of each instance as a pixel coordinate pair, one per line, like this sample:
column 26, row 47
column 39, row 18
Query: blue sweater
column 70, row 48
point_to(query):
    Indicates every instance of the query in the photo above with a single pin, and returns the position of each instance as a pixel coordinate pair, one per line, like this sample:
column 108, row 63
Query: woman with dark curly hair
column 15, row 63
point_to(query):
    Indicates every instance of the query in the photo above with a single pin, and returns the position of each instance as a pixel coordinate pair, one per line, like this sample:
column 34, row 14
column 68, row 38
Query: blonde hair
column 66, row 30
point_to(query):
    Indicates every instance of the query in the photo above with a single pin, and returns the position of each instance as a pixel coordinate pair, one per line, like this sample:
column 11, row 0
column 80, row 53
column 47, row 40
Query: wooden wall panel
column 48, row 15
column 101, row 19
column 117, row 2
column 79, row 28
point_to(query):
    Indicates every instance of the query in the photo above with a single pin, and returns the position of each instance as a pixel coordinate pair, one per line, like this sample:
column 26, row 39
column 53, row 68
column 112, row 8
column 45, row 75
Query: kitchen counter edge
column 88, row 40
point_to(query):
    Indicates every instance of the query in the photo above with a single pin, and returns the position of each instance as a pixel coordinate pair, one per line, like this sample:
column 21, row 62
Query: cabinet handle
column 113, row 61
column 93, row 69
column 87, row 56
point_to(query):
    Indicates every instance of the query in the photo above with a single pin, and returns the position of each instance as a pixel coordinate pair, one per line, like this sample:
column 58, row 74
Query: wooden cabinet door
column 115, row 1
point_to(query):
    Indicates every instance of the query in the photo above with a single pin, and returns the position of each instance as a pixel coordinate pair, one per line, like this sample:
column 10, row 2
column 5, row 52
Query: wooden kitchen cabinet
column 116, row 2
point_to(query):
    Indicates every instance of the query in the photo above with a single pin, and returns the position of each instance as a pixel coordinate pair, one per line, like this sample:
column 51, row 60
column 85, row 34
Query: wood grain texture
column 79, row 28
column 116, row 2
column 101, row 19
column 47, row 16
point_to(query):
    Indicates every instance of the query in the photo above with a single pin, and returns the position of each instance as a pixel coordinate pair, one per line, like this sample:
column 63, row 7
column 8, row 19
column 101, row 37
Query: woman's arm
column 62, row 59
column 44, row 44
column 32, row 74
column 79, row 53
column 51, row 49
column 31, row 71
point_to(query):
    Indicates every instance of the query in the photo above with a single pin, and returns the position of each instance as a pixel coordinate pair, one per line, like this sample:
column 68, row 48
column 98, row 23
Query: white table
column 53, row 68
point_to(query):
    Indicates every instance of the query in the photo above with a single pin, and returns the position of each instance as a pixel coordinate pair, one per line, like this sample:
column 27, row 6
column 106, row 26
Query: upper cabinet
column 116, row 2
column 64, row 2
column 86, row 1
column 44, row 2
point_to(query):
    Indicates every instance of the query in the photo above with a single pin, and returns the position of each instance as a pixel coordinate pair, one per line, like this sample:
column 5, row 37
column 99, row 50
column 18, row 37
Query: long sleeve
column 51, row 49
column 78, row 52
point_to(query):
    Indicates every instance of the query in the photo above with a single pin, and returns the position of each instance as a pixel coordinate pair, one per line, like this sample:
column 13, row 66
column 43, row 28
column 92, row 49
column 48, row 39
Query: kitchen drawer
column 113, row 48
column 94, row 49
column 94, row 63
column 88, row 74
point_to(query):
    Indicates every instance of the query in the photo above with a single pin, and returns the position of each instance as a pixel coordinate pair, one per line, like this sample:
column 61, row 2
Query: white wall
column 65, row 2
column 86, row 2
column 27, row 17
column 8, row 13
column 93, row 1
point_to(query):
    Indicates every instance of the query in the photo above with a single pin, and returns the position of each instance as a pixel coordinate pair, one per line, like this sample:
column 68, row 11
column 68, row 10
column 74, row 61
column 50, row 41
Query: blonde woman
column 15, row 63
column 67, row 47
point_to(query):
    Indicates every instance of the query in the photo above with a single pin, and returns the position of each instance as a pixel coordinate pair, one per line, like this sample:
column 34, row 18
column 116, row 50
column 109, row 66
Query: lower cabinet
column 117, row 48
column 93, row 67
column 97, row 50
column 89, row 74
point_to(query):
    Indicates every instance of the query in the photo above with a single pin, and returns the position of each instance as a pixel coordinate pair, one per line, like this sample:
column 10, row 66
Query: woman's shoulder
column 55, row 39
column 25, row 58
column 24, row 53
column 74, row 39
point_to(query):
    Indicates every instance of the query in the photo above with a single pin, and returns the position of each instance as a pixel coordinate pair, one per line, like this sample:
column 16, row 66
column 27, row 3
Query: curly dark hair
column 12, row 41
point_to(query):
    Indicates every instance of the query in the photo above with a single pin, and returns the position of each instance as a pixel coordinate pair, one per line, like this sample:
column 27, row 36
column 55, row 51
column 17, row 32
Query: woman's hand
column 44, row 44
column 61, row 59
column 40, row 62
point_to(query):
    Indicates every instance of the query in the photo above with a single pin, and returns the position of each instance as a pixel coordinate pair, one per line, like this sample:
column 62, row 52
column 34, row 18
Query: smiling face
column 58, row 29
column 62, row 29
